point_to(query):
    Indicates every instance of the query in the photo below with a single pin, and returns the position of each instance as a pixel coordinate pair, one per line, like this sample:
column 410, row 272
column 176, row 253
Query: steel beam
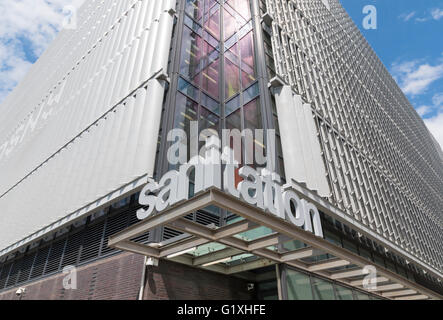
column 328, row 265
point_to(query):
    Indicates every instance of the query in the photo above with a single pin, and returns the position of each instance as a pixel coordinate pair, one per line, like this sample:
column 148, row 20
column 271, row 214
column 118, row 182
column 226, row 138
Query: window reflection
column 208, row 120
column 194, row 9
column 234, row 120
column 242, row 7
column 247, row 50
column 210, row 79
column 210, row 103
column 251, row 93
column 229, row 24
column 232, row 79
column 185, row 112
column 343, row 293
column 201, row 62
column 190, row 55
column 232, row 105
column 246, row 45
column 299, row 286
column 212, row 22
column 208, row 125
column 253, row 115
column 323, row 290
column 361, row 296
column 188, row 89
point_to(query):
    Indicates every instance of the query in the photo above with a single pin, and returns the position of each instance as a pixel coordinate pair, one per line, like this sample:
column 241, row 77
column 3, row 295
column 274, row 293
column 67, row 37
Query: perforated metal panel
column 381, row 162
column 80, row 125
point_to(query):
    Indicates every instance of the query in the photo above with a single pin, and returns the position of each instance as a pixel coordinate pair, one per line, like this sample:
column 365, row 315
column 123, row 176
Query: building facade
column 88, row 130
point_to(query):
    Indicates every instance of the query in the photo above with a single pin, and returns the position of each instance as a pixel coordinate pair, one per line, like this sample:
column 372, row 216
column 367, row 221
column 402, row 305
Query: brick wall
column 176, row 281
column 118, row 277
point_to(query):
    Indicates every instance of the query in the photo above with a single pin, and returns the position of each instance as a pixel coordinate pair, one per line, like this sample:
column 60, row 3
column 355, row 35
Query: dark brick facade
column 119, row 276
column 177, row 282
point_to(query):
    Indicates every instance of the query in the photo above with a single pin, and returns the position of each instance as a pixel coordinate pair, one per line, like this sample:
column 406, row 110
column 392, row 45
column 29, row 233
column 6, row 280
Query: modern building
column 86, row 131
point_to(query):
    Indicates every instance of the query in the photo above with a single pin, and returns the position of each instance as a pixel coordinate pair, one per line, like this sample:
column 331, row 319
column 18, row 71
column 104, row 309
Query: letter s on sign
column 145, row 199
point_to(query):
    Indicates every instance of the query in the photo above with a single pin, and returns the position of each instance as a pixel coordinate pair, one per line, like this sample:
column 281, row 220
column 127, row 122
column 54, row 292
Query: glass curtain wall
column 302, row 286
column 217, row 83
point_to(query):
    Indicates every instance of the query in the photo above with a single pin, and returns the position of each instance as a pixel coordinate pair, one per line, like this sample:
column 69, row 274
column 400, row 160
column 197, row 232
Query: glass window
column 210, row 103
column 192, row 25
column 343, row 293
column 379, row 260
column 233, row 54
column 234, row 120
column 350, row 246
column 246, row 45
column 293, row 245
column 251, row 93
column 232, row 79
column 254, row 233
column 332, row 238
column 232, row 105
column 191, row 55
column 185, row 112
column 247, row 50
column 212, row 24
column 365, row 254
column 402, row 272
column 390, row 266
column 299, row 286
column 210, row 79
column 229, row 24
column 361, row 296
column 252, row 115
column 188, row 89
column 242, row 7
column 208, row 120
column 194, row 9
column 323, row 290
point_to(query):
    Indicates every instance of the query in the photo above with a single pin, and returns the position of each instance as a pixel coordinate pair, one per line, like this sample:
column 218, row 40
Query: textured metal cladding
column 382, row 164
column 300, row 143
column 80, row 124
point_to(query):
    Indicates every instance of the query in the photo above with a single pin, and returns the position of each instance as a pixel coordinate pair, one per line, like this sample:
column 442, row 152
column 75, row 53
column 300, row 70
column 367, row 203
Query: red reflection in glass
column 233, row 54
column 232, row 79
column 247, row 49
column 229, row 24
column 191, row 55
column 252, row 115
column 212, row 24
column 246, row 45
column 210, row 79
column 194, row 9
column 242, row 7
column 247, row 79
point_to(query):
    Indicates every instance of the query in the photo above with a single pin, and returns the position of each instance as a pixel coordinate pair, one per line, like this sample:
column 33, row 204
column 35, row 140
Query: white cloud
column 407, row 16
column 435, row 126
column 26, row 28
column 437, row 99
column 421, row 19
column 434, row 14
column 415, row 77
column 423, row 110
column 437, row 14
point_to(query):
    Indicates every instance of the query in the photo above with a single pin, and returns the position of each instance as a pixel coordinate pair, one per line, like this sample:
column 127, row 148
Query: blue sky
column 408, row 40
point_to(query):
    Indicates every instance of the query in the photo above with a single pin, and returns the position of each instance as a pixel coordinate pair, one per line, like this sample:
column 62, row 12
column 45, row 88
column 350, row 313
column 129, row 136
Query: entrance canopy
column 257, row 239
